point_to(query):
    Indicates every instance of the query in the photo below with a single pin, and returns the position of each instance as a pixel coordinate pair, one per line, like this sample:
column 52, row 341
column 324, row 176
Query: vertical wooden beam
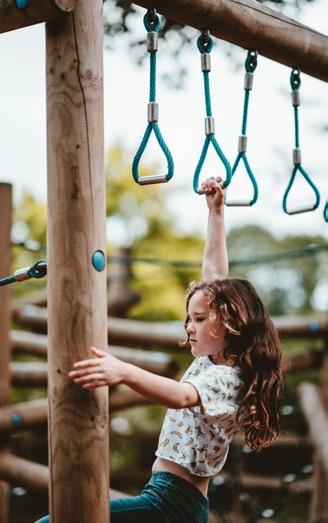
column 5, row 266
column 78, row 420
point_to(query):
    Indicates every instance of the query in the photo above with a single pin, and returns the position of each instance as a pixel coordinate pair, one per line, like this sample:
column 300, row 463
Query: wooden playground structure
column 76, row 302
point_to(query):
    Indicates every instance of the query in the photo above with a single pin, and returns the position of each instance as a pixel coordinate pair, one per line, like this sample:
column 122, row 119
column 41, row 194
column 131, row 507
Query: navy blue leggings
column 165, row 499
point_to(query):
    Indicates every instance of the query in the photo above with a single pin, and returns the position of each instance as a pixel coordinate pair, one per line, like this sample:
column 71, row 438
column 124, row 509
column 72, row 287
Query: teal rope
column 243, row 157
column 299, row 168
column 295, row 82
column 250, row 66
column 152, row 23
column 7, row 280
column 245, row 112
column 325, row 212
column 135, row 165
column 205, row 45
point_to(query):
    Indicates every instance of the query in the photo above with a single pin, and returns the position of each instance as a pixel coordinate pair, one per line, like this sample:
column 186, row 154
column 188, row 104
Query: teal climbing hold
column 98, row 260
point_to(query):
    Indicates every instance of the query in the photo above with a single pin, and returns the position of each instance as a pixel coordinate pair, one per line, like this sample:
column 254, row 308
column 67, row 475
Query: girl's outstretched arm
column 215, row 259
column 105, row 369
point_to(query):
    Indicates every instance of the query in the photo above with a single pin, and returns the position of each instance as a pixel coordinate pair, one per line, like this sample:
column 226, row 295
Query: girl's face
column 205, row 337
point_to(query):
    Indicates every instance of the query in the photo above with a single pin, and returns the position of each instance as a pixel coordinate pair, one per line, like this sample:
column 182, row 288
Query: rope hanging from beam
column 205, row 46
column 152, row 23
column 295, row 82
column 250, row 66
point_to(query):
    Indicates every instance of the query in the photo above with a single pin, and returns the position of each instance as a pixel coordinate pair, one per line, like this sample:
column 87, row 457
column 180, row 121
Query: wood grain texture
column 78, row 428
column 251, row 25
column 36, row 12
column 5, row 293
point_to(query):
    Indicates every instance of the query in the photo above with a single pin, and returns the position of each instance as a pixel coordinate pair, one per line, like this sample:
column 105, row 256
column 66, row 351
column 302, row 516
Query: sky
column 270, row 125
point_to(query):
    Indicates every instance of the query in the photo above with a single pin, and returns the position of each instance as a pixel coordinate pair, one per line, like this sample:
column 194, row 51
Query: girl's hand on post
column 214, row 193
column 103, row 370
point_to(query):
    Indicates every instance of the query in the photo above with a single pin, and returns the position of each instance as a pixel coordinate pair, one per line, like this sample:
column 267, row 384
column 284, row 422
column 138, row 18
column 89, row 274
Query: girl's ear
column 97, row 352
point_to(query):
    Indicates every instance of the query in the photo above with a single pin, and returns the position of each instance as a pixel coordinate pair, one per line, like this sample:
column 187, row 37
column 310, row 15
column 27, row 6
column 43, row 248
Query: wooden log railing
column 27, row 414
column 35, row 12
column 16, row 470
column 168, row 334
column 31, row 475
column 157, row 362
column 252, row 25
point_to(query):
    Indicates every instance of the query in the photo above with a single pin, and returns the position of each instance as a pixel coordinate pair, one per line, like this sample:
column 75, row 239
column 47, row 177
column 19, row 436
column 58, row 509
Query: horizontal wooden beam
column 167, row 334
column 157, row 362
column 34, row 476
column 35, row 412
column 19, row 471
column 35, row 374
column 251, row 25
column 36, row 11
column 31, row 475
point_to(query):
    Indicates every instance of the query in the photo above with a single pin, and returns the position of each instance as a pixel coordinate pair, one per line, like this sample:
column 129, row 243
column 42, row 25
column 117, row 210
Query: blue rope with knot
column 152, row 23
column 295, row 82
column 250, row 66
column 205, row 45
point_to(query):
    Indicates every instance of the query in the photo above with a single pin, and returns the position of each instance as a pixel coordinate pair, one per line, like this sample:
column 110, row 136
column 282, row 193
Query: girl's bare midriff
column 163, row 465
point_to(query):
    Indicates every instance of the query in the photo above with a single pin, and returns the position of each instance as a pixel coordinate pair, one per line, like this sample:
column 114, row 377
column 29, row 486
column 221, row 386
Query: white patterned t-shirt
column 198, row 438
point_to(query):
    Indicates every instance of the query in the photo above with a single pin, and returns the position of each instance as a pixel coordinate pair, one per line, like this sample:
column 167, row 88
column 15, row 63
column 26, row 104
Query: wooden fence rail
column 31, row 475
column 31, row 413
column 168, row 334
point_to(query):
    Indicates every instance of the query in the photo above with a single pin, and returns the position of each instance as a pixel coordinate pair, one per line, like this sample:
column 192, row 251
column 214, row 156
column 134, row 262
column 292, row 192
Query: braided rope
column 325, row 212
column 7, row 280
column 205, row 45
column 295, row 82
column 152, row 23
column 250, row 66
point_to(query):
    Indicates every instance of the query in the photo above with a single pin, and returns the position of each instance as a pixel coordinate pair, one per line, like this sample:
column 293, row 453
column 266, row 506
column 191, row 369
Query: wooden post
column 252, row 25
column 5, row 266
column 35, row 12
column 78, row 427
column 319, row 504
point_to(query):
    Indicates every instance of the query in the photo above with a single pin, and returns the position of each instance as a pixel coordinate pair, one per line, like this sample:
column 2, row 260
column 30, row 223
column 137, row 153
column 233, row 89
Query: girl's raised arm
column 215, row 259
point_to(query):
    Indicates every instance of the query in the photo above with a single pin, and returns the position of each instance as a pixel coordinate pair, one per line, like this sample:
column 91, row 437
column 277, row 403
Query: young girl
column 233, row 382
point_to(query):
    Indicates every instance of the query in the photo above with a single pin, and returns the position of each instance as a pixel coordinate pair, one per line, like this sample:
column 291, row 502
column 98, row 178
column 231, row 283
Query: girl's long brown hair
column 253, row 341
